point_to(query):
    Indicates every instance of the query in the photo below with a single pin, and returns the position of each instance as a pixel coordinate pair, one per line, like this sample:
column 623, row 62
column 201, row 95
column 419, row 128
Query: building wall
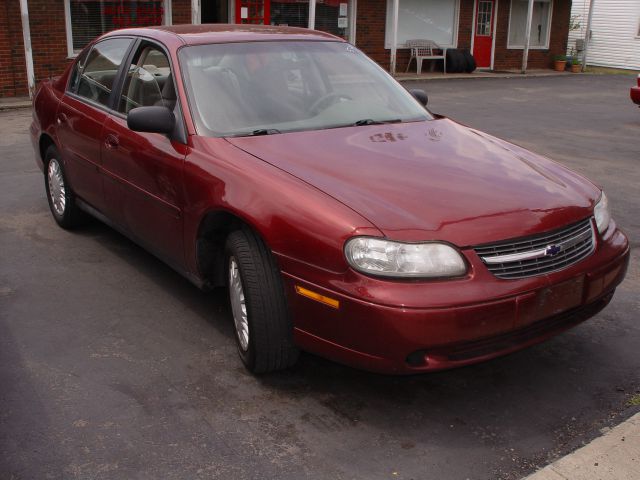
column 371, row 29
column 49, row 44
column 48, row 41
column 181, row 11
column 511, row 59
column 615, row 40
column 13, row 70
column 48, row 38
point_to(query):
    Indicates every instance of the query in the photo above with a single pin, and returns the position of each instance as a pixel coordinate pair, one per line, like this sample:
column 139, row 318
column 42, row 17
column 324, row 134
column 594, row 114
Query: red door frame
column 483, row 42
column 264, row 19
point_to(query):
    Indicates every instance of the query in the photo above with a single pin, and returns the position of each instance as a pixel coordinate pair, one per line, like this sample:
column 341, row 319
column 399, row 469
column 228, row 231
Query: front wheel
column 263, row 327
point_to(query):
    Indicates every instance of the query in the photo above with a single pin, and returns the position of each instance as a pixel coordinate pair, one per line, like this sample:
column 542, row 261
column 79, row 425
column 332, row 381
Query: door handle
column 111, row 141
column 62, row 118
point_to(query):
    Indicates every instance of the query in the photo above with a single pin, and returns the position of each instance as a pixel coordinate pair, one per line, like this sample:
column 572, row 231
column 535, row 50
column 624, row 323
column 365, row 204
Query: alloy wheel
column 238, row 304
column 57, row 190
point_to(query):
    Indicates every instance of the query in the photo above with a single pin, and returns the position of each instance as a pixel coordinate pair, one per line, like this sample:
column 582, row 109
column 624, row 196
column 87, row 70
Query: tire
column 469, row 61
column 455, row 61
column 62, row 202
column 264, row 334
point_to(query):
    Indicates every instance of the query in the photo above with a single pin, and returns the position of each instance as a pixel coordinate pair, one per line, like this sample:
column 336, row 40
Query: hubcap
column 56, row 187
column 238, row 305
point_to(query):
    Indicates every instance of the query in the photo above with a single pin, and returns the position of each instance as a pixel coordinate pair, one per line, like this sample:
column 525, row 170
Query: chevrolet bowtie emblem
column 552, row 250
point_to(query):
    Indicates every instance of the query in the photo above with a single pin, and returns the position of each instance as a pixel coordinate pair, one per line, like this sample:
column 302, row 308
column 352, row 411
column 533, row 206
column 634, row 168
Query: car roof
column 224, row 33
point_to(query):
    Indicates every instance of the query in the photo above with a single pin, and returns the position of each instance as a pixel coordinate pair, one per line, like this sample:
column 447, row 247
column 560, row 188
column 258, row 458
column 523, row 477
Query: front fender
column 302, row 225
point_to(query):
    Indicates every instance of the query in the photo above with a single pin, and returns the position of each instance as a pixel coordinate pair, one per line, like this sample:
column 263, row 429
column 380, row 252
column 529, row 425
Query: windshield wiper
column 255, row 133
column 265, row 131
column 369, row 121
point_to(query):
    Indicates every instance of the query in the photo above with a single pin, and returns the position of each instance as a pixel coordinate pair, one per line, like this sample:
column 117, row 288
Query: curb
column 613, row 456
column 14, row 104
column 477, row 76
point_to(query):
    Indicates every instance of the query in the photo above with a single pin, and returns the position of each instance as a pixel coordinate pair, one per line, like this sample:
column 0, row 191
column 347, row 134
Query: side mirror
column 420, row 95
column 151, row 119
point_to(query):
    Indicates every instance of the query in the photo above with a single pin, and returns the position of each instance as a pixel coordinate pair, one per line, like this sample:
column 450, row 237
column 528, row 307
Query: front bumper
column 410, row 327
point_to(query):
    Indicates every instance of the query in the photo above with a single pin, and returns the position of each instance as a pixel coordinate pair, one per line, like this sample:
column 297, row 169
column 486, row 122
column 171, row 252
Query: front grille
column 539, row 254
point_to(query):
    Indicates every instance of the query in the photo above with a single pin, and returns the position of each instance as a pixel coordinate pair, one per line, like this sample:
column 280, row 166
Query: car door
column 145, row 170
column 81, row 115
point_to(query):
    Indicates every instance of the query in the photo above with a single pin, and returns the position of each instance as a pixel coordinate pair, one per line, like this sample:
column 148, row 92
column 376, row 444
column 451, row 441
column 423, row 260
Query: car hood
column 432, row 180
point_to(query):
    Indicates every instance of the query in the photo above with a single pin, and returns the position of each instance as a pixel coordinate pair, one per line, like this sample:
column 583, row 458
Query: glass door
column 484, row 31
column 332, row 16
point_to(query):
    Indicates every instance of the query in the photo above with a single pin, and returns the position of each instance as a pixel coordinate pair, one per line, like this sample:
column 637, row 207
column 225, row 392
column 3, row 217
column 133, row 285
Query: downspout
column 587, row 35
column 28, row 54
column 394, row 35
column 527, row 37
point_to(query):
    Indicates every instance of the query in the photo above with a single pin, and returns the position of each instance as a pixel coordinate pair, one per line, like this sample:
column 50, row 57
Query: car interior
column 149, row 82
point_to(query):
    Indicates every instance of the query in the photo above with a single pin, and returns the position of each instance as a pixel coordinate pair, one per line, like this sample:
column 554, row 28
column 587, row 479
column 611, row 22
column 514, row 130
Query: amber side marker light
column 332, row 302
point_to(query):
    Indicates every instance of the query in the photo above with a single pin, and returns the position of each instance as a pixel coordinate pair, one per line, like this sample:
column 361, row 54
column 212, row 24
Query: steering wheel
column 327, row 100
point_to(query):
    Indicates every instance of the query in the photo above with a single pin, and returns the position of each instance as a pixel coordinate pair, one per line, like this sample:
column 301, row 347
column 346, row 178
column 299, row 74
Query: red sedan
column 635, row 93
column 344, row 218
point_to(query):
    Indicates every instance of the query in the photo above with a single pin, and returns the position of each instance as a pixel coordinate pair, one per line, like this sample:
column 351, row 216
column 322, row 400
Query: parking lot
column 112, row 366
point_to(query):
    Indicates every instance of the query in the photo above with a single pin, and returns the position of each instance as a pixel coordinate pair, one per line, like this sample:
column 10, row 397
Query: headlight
column 602, row 214
column 377, row 256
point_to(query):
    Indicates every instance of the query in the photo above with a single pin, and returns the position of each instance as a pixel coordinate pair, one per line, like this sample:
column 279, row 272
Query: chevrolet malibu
column 344, row 218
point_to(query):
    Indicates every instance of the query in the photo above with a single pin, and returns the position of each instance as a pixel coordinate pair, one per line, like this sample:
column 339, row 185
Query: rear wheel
column 263, row 328
column 60, row 197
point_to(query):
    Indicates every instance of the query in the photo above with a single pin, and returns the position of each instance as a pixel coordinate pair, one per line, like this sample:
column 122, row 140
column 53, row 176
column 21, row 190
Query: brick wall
column 13, row 70
column 181, row 11
column 48, row 41
column 465, row 23
column 48, row 38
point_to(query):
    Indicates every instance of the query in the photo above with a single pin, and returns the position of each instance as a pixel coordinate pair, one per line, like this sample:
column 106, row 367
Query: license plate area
column 549, row 301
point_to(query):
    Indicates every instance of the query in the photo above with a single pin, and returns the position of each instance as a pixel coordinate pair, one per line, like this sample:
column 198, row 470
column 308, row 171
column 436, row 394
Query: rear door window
column 101, row 69
column 77, row 70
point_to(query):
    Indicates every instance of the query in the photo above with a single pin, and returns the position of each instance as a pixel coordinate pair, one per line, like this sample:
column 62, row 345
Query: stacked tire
column 460, row 61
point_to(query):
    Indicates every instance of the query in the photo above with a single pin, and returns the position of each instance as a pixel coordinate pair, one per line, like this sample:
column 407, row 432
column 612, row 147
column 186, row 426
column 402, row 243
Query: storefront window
column 433, row 20
column 91, row 18
column 290, row 13
column 332, row 17
column 540, row 23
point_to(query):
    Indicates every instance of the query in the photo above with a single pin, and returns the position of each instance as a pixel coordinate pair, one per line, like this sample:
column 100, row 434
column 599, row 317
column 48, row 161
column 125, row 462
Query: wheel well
column 45, row 142
column 212, row 235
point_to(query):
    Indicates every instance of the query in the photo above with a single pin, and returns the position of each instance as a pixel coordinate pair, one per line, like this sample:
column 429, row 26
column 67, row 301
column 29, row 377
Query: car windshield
column 261, row 88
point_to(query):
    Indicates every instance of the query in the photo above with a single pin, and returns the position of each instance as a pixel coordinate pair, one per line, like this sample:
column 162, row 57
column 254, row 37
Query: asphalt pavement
column 112, row 366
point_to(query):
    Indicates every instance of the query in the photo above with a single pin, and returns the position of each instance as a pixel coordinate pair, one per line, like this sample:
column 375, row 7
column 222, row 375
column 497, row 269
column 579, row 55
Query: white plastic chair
column 424, row 50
